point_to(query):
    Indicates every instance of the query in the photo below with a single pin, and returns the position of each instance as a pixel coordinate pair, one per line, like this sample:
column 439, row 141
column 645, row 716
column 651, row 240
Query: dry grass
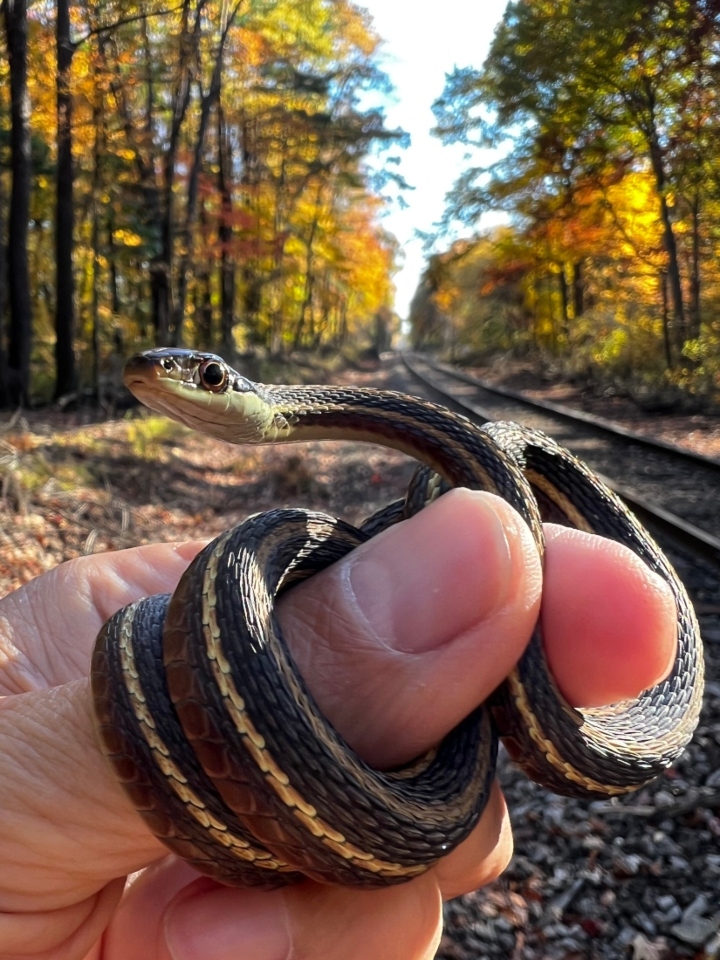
column 68, row 490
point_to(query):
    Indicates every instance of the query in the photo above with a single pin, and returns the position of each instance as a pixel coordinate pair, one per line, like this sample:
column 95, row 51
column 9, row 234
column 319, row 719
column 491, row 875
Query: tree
column 584, row 95
column 15, row 13
column 65, row 381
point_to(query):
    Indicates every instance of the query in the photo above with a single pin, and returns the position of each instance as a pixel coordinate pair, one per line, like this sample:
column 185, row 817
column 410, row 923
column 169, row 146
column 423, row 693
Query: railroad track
column 673, row 490
column 604, row 880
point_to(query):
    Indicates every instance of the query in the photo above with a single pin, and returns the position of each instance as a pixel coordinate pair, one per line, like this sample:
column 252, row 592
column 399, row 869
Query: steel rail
column 568, row 413
column 681, row 530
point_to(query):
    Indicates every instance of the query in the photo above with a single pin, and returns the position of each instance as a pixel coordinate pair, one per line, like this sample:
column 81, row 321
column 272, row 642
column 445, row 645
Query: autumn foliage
column 218, row 182
column 602, row 120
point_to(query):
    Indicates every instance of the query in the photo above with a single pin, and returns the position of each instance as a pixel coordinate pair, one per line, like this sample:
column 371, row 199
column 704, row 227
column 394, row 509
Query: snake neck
column 450, row 444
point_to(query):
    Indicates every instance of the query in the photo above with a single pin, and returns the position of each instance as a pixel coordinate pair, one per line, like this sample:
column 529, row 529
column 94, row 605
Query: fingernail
column 189, row 549
column 436, row 575
column 225, row 924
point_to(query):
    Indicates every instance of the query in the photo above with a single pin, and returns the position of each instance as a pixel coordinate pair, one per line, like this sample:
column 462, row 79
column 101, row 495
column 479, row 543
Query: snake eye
column 213, row 375
column 167, row 364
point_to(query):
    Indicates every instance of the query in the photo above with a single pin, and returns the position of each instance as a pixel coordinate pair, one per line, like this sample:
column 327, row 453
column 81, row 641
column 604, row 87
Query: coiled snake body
column 213, row 733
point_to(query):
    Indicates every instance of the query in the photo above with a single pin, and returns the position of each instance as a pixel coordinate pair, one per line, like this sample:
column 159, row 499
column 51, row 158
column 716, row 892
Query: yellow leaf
column 127, row 238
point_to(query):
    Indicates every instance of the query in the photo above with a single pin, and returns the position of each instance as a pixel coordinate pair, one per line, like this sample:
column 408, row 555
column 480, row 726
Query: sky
column 422, row 43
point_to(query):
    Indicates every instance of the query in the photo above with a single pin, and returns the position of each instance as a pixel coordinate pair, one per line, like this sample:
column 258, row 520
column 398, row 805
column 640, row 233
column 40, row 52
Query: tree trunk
column 207, row 102
column 150, row 100
column 4, row 397
column 64, row 284
column 203, row 308
column 146, row 168
column 20, row 330
column 162, row 268
column 252, row 280
column 673, row 274
column 548, row 286
column 343, row 327
column 564, row 300
column 667, row 339
column 95, row 298
column 673, row 265
column 95, row 240
column 695, row 310
column 190, row 211
column 306, row 306
column 578, row 290
column 225, row 236
column 308, row 312
column 115, row 305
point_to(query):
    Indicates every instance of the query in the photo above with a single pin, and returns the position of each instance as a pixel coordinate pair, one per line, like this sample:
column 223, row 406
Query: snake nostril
column 140, row 368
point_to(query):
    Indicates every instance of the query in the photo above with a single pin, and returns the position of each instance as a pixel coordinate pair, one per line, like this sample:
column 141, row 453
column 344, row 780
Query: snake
column 215, row 736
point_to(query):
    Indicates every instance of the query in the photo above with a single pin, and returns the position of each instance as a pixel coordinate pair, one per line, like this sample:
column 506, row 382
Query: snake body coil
column 216, row 738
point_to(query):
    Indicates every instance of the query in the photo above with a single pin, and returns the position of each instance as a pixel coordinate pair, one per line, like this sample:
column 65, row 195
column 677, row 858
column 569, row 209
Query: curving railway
column 674, row 490
column 609, row 880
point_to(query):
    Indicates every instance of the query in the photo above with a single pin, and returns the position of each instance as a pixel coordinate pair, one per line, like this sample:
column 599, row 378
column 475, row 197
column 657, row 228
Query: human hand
column 398, row 643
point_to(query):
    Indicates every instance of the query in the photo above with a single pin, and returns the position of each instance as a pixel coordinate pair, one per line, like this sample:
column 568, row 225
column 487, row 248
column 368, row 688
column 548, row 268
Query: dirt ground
column 69, row 488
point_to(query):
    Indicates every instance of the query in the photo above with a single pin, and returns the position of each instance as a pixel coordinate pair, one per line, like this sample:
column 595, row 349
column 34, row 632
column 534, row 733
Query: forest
column 192, row 172
column 602, row 123
column 214, row 173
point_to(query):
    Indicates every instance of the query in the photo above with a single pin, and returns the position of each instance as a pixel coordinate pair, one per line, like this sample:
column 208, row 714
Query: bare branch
column 108, row 27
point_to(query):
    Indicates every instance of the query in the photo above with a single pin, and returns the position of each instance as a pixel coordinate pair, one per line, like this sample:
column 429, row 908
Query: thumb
column 442, row 604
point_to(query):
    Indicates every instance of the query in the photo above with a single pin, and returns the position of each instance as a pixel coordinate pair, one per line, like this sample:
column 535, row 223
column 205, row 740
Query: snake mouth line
column 135, row 381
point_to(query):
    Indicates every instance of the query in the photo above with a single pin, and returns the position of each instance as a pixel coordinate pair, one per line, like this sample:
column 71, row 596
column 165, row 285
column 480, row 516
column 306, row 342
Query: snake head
column 199, row 390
